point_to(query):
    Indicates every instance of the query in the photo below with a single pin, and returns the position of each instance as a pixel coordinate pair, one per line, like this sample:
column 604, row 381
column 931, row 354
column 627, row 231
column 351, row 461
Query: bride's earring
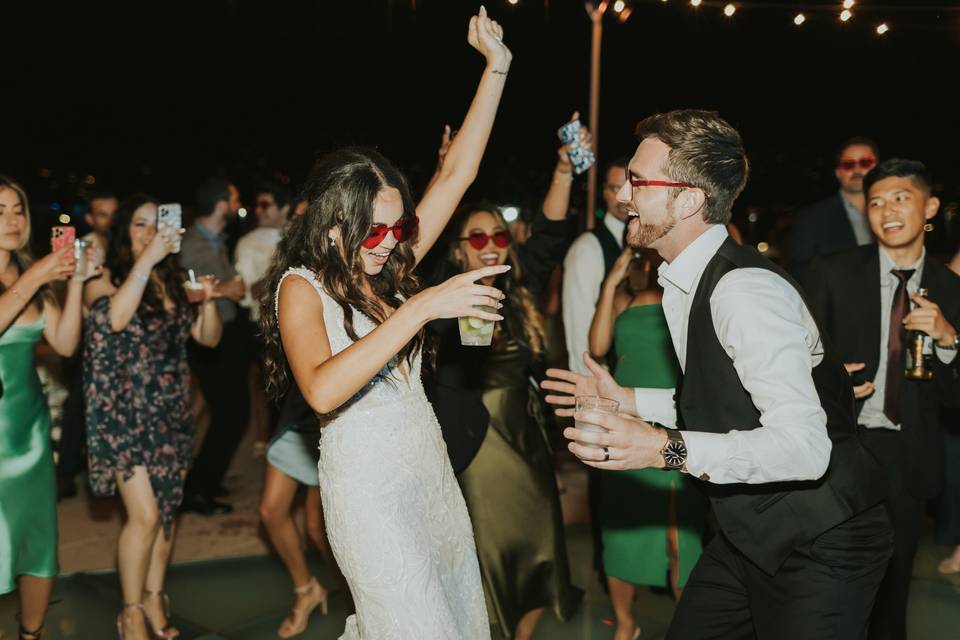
column 928, row 227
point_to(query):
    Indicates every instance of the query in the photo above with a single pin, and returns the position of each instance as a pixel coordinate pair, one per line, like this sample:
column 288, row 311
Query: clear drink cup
column 593, row 404
column 80, row 253
column 477, row 332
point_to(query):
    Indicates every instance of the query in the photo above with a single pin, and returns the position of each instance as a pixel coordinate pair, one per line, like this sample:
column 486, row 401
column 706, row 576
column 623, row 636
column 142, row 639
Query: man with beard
column 765, row 408
column 840, row 221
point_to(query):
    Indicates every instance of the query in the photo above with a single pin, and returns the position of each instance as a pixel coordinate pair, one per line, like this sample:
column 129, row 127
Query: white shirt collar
column 686, row 268
column 615, row 226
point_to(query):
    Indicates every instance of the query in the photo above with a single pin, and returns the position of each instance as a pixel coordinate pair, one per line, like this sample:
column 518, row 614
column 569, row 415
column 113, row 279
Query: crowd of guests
column 168, row 316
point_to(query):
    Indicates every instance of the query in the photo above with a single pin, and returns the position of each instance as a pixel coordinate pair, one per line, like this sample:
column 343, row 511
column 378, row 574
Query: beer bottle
column 919, row 352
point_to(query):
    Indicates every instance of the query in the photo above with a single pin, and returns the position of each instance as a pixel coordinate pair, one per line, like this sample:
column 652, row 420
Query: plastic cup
column 194, row 288
column 595, row 404
column 477, row 332
column 80, row 253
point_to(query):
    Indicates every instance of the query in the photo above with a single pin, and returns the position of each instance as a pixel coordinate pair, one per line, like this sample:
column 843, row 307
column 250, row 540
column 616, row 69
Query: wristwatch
column 955, row 345
column 674, row 452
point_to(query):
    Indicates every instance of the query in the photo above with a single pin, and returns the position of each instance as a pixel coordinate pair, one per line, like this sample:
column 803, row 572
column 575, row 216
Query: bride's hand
column 460, row 296
column 486, row 36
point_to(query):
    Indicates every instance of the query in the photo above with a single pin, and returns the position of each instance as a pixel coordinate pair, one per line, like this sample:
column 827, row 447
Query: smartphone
column 61, row 237
column 581, row 157
column 170, row 217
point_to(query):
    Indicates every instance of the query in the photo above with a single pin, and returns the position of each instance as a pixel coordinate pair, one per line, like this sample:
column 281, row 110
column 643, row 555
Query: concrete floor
column 224, row 583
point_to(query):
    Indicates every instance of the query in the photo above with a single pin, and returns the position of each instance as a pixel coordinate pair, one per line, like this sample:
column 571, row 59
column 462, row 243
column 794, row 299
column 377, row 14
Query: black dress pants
column 222, row 373
column 889, row 621
column 73, row 428
column 824, row 590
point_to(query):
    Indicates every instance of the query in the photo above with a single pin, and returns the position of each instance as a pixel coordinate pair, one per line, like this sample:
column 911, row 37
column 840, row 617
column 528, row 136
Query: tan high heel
column 169, row 632
column 130, row 605
column 296, row 622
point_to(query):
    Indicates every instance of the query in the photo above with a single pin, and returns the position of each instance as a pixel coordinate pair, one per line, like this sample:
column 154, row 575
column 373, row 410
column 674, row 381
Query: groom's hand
column 628, row 443
column 599, row 383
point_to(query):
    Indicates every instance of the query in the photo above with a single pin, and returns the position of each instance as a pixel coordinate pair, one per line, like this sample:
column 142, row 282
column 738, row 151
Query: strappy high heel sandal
column 131, row 605
column 168, row 632
column 314, row 596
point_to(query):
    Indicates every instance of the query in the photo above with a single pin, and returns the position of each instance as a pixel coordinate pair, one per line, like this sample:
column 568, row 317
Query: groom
column 765, row 410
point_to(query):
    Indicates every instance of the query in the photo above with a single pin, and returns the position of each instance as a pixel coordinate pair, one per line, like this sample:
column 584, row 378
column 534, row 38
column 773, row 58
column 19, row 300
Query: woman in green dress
column 651, row 520
column 28, row 495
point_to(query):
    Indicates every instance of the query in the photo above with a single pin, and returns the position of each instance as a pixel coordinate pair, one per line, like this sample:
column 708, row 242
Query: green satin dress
column 511, row 493
column 28, row 503
column 634, row 504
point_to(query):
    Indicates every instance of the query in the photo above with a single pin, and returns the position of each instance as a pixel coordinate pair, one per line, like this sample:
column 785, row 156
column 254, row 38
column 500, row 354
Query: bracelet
column 499, row 73
column 140, row 276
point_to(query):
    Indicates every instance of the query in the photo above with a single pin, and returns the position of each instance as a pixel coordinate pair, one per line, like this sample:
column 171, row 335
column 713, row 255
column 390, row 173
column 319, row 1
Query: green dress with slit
column 28, row 503
column 634, row 505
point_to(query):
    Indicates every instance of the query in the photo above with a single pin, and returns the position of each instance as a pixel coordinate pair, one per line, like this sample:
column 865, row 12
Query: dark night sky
column 156, row 95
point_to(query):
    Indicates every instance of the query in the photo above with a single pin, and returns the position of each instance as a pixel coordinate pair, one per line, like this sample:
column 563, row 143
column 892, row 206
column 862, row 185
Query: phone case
column 61, row 237
column 581, row 157
column 170, row 216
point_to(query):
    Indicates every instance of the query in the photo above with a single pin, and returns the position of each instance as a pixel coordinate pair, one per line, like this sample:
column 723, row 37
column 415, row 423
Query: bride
column 347, row 322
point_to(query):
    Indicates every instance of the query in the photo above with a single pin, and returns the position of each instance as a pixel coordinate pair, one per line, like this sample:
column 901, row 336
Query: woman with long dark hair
column 136, row 386
column 28, row 495
column 490, row 413
column 346, row 320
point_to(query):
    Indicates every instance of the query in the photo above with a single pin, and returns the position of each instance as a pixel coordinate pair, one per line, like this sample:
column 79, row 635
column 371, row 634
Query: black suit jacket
column 818, row 230
column 844, row 294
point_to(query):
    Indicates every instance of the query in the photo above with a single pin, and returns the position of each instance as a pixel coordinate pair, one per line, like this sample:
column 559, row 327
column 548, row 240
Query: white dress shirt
column 872, row 415
column 253, row 256
column 766, row 329
column 858, row 222
column 583, row 274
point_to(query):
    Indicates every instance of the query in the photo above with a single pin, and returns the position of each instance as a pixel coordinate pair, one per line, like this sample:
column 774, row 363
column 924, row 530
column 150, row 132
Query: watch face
column 675, row 454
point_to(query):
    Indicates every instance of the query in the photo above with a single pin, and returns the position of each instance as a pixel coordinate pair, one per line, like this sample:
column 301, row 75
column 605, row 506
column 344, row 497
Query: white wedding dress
column 395, row 516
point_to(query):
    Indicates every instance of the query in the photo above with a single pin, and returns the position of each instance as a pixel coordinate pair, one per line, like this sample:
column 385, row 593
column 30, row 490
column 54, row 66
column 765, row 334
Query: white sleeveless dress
column 395, row 516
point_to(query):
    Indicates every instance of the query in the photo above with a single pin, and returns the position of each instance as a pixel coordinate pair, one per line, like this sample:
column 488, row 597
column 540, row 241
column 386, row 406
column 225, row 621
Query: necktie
column 895, row 364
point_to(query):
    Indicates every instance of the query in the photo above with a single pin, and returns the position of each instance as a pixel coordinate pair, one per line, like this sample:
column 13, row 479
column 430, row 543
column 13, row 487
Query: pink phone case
column 61, row 237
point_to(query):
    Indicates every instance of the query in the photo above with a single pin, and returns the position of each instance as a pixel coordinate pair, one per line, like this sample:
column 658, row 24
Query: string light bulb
column 729, row 10
column 845, row 15
column 696, row 3
column 513, row 1
column 619, row 6
column 848, row 4
column 799, row 19
column 882, row 29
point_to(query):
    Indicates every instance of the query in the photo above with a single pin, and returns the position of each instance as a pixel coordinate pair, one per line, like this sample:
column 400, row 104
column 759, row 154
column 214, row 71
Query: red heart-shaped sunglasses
column 403, row 229
column 478, row 239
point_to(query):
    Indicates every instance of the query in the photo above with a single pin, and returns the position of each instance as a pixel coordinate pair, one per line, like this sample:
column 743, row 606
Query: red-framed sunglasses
column 637, row 182
column 864, row 163
column 478, row 239
column 403, row 229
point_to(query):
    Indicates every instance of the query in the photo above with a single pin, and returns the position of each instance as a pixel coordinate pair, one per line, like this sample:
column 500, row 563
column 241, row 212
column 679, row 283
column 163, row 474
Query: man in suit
column 765, row 406
column 862, row 299
column 838, row 222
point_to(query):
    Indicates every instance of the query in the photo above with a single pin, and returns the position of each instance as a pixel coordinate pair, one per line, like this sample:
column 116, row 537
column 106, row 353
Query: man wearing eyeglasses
column 765, row 410
column 838, row 222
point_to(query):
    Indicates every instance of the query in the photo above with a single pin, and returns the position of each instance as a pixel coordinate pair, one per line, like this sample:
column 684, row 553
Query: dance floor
column 225, row 585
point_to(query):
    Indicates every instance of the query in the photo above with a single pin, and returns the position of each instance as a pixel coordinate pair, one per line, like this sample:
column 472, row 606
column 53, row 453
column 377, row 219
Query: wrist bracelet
column 140, row 276
column 500, row 73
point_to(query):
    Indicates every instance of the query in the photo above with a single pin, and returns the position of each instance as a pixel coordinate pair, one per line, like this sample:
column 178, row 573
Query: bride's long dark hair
column 340, row 192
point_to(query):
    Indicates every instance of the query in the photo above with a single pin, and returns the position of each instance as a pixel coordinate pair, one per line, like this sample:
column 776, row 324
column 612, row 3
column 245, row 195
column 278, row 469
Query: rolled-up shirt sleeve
column 657, row 405
column 766, row 329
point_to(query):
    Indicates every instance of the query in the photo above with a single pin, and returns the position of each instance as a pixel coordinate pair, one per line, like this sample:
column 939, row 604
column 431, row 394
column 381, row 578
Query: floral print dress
column 137, row 391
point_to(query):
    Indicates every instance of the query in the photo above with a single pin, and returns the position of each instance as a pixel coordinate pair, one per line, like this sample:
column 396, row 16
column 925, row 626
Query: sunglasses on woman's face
column 403, row 229
column 478, row 239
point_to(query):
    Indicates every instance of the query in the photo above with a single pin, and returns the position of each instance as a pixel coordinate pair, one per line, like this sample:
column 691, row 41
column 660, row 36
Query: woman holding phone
column 28, row 495
column 136, row 387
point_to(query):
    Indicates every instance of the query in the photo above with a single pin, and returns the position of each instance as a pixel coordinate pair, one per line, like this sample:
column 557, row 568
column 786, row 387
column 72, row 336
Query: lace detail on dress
column 395, row 516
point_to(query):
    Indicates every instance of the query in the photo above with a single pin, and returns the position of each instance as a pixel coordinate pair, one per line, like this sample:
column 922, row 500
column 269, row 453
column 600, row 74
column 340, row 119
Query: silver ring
column 606, row 454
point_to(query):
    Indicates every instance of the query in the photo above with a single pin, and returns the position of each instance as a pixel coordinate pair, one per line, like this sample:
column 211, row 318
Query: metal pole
column 596, row 16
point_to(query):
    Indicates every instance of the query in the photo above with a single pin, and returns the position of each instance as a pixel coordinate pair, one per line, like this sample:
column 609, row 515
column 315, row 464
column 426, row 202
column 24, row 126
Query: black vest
column 609, row 245
column 766, row 522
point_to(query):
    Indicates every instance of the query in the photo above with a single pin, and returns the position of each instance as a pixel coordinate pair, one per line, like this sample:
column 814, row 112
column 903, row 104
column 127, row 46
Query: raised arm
column 57, row 265
column 207, row 329
column 462, row 160
column 326, row 380
column 601, row 329
column 126, row 299
column 557, row 201
column 64, row 327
